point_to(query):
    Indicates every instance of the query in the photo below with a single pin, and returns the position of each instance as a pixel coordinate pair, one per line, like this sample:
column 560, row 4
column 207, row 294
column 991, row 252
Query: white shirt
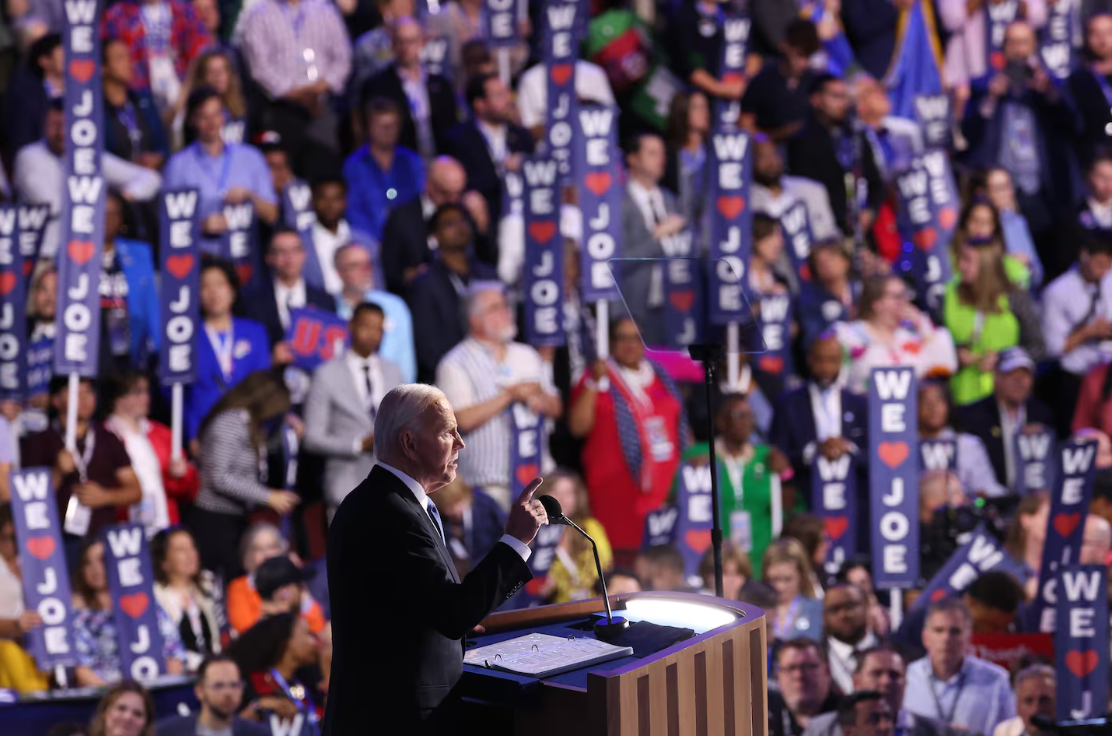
column 793, row 188
column 511, row 240
column 358, row 365
column 287, row 298
column 826, row 405
column 1009, row 428
column 326, row 243
column 843, row 659
column 495, row 136
column 38, row 176
column 591, row 85
column 1066, row 306
column 650, row 203
column 1102, row 213
column 151, row 511
column 418, row 492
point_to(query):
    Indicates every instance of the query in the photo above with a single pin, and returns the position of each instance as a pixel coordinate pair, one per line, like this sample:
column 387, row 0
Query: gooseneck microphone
column 614, row 624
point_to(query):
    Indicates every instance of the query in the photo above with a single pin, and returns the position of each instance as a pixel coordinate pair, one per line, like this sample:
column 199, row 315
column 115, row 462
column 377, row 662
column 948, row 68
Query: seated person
column 245, row 606
column 661, row 568
column 278, row 658
column 17, row 668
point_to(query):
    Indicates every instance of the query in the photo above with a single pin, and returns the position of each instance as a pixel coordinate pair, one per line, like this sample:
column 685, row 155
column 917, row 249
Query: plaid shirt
column 188, row 36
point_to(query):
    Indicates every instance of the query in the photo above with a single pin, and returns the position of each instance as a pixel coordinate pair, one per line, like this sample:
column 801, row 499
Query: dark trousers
column 218, row 536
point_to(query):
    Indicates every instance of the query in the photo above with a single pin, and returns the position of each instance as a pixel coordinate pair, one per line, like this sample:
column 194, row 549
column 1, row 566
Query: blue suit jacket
column 259, row 305
column 251, row 353
column 142, row 296
column 488, row 524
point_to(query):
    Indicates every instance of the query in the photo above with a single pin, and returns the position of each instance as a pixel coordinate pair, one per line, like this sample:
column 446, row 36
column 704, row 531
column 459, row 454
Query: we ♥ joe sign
column 181, row 287
column 127, row 562
column 1081, row 642
column 693, row 529
column 894, row 477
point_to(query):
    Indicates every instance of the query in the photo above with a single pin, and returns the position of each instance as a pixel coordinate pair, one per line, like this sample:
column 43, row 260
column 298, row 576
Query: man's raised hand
column 527, row 516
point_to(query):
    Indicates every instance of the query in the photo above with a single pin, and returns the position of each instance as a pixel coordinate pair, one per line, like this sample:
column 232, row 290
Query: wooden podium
column 712, row 684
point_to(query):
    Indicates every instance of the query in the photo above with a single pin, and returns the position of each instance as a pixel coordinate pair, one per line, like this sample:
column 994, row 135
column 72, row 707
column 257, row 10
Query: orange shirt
column 245, row 607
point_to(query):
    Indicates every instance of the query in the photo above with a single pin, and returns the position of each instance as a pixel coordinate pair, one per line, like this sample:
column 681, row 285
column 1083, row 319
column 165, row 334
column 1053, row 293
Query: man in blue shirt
column 353, row 264
column 223, row 173
column 949, row 685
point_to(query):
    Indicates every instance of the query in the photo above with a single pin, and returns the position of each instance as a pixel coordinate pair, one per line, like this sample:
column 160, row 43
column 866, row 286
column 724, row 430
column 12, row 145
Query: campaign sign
column 1081, row 642
column 731, row 68
column 560, row 47
column 683, row 293
column 938, row 455
column 314, row 336
column 696, row 515
column 799, row 238
column 513, row 193
column 500, row 26
column 926, row 216
column 543, row 276
column 525, row 448
column 180, row 294
column 298, row 214
column 13, row 302
column 600, row 201
column 731, row 225
column 1069, row 505
column 127, row 562
column 998, row 16
column 894, row 477
column 32, row 227
column 40, row 366
column 42, row 560
column 932, row 112
column 1008, row 650
column 834, row 499
column 1056, row 47
column 776, row 314
column 660, row 526
column 544, row 549
column 982, row 553
column 82, row 217
column 1035, row 465
column 238, row 242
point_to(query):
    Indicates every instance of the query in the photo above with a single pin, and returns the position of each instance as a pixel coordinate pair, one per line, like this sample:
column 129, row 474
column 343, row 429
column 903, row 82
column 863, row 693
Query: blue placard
column 13, row 304
column 500, row 25
column 81, row 242
column 40, row 366
column 237, row 244
column 776, row 314
column 544, row 549
column 927, row 213
column 731, row 225
column 180, row 294
column 1035, row 466
column 696, row 520
column 998, row 16
column 560, row 49
column 127, row 563
column 32, row 227
column 660, row 526
column 982, row 553
column 938, row 455
column 731, row 66
column 525, row 448
column 834, row 500
column 932, row 113
column 1069, row 505
column 600, row 201
column 543, row 275
column 315, row 336
column 1081, row 642
column 1056, row 42
column 894, row 477
column 799, row 238
column 42, row 562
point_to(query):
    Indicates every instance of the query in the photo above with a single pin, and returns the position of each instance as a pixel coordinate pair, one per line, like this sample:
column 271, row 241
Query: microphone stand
column 709, row 354
column 612, row 627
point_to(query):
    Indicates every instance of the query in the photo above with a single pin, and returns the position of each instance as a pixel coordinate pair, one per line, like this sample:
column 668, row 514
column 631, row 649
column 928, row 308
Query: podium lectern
column 711, row 684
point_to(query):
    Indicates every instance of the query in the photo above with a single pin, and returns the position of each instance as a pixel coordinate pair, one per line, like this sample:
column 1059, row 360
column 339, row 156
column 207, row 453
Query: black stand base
column 607, row 631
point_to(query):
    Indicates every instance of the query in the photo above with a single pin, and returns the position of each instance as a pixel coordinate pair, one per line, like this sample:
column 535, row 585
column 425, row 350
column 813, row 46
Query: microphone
column 614, row 624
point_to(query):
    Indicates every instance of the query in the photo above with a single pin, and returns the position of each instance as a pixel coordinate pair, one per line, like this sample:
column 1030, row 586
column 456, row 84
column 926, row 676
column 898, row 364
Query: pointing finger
column 527, row 494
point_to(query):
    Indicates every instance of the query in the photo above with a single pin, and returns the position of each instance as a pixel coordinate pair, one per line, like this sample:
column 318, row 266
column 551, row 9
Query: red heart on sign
column 682, row 300
column 526, row 473
column 179, row 265
column 41, row 547
column 598, row 182
column 773, row 364
column 938, row 595
column 731, row 77
column 805, row 272
column 997, row 60
column 1082, row 663
column 28, row 267
column 698, row 540
column 244, row 271
column 80, row 251
column 82, row 69
column 1064, row 524
column 135, row 604
column 731, row 207
column 892, row 454
column 835, row 526
column 947, row 217
column 561, row 73
column 7, row 283
column 925, row 238
column 542, row 232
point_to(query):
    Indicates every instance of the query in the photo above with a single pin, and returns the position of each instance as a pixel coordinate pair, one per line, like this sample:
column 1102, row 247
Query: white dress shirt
column 1102, row 213
column 326, row 243
column 650, row 203
column 418, row 492
column 843, row 659
column 1066, row 306
column 495, row 136
column 288, row 297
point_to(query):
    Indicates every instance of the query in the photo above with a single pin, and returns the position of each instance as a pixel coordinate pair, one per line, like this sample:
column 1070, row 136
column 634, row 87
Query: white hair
column 478, row 288
column 400, row 411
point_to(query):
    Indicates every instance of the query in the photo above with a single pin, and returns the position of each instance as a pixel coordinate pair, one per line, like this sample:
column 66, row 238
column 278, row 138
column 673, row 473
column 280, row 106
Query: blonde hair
column 233, row 97
column 790, row 550
column 992, row 280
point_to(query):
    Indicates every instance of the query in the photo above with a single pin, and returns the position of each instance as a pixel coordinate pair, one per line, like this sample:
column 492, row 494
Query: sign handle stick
column 602, row 328
column 176, row 421
column 733, row 368
column 896, row 606
column 777, row 506
column 71, row 412
column 60, row 677
column 504, row 65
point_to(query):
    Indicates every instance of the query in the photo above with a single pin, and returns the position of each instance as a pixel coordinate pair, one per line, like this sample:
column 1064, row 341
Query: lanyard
column 223, row 346
column 82, row 461
column 947, row 719
column 781, row 630
column 127, row 117
column 299, row 699
column 202, row 160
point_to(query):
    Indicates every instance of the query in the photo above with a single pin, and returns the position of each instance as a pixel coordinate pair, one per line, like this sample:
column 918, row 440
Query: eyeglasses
column 802, row 668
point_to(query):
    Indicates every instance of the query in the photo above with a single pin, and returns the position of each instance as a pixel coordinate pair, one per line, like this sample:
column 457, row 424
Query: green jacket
column 997, row 331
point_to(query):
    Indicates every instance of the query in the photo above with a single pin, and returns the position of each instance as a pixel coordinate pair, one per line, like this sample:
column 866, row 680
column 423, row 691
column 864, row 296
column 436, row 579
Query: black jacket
column 466, row 144
column 261, row 305
column 982, row 419
column 187, row 726
column 442, row 105
column 397, row 643
column 437, row 310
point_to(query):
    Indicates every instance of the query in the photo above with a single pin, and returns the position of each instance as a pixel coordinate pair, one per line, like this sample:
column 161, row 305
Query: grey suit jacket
column 826, row 724
column 334, row 420
column 637, row 278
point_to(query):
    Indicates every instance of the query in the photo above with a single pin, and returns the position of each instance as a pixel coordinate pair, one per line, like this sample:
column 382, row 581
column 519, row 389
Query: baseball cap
column 1014, row 359
column 278, row 572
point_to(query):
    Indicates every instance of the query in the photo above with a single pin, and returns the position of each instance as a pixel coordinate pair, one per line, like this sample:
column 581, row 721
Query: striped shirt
column 470, row 374
column 231, row 466
column 289, row 46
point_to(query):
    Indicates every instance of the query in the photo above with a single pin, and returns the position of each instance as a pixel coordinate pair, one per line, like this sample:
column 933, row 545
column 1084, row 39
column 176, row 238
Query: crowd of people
column 407, row 124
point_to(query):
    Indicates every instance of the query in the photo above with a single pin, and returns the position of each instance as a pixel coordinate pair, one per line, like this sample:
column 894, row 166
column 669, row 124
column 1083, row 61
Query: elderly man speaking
column 399, row 609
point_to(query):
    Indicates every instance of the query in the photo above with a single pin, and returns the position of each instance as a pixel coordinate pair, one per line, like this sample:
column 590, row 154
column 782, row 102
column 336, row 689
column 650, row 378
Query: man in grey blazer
column 651, row 228
column 882, row 669
column 342, row 403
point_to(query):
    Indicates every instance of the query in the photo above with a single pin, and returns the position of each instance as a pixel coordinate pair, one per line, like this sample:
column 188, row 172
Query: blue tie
column 435, row 516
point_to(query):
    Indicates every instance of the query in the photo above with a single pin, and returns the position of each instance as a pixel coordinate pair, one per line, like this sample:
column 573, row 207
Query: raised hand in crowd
column 215, row 224
column 282, row 353
column 283, row 502
column 28, row 621
column 179, row 466
column 833, row 448
column 65, row 463
column 599, row 369
column 669, row 226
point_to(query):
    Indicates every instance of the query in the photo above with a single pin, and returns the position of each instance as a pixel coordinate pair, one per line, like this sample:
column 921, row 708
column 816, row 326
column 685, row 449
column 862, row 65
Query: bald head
column 938, row 489
column 407, row 38
column 1019, row 42
column 446, row 182
column 825, row 359
column 1097, row 542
